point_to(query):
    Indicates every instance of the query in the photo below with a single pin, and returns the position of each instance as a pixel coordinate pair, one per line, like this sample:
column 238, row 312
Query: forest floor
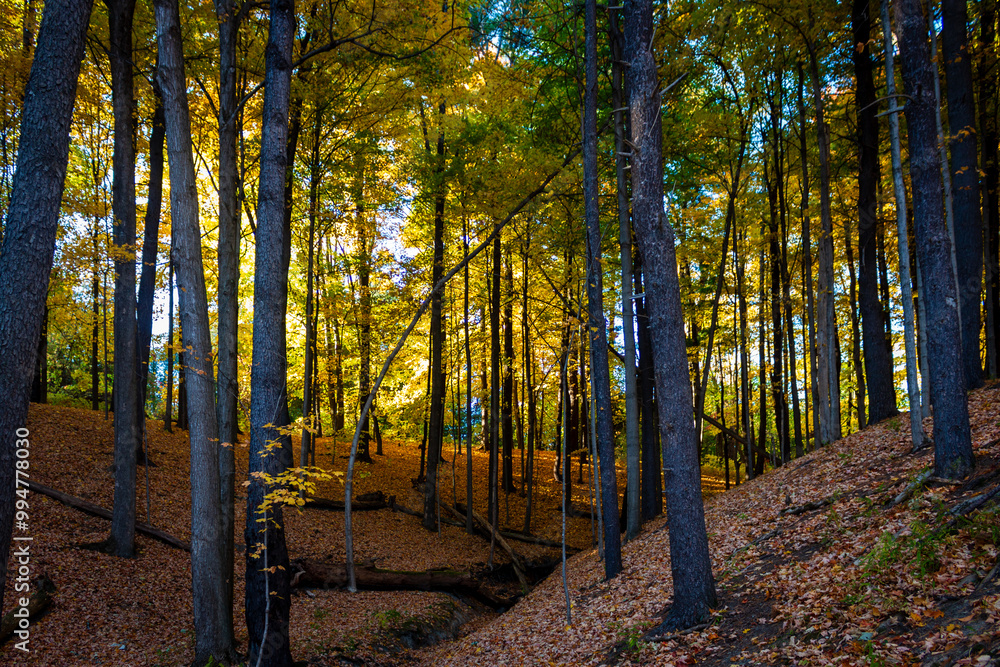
column 814, row 564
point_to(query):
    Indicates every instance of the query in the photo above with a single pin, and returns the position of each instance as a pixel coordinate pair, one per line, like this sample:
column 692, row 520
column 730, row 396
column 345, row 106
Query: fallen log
column 37, row 603
column 918, row 483
column 514, row 558
column 312, row 574
column 96, row 510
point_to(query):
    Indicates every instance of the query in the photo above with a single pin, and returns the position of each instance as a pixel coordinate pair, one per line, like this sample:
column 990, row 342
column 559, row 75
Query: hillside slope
column 814, row 565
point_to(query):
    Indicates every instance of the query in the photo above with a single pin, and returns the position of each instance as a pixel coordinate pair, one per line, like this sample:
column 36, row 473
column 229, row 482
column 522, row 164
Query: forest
column 695, row 307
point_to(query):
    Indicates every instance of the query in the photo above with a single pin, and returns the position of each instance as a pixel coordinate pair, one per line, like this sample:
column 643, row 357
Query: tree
column 29, row 234
column 122, row 540
column 600, row 376
column 965, row 181
column 229, row 14
column 691, row 566
column 267, row 591
column 878, row 358
column 952, row 438
column 213, row 636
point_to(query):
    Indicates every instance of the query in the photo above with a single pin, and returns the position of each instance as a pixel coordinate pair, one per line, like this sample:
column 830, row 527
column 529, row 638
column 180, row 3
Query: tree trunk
column 807, row 263
column 435, row 438
column 878, row 353
column 633, row 450
column 308, row 395
column 267, row 592
column 229, row 280
column 211, row 615
column 366, row 247
column 652, row 475
column 169, row 349
column 965, row 181
column 40, row 379
column 952, row 440
column 121, row 542
column 600, row 375
column 694, row 586
column 30, row 233
column 744, row 357
column 147, row 278
column 507, row 388
column 494, row 386
column 852, row 290
column 905, row 281
column 828, row 399
column 991, row 180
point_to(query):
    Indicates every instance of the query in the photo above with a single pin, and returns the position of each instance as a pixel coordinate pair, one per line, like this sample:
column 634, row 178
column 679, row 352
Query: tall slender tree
column 267, row 583
column 691, row 566
column 878, row 357
column 211, row 615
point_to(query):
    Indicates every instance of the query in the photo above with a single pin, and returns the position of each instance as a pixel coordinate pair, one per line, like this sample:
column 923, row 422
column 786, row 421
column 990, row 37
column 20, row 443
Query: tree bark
column 906, row 284
column 965, row 181
column 991, row 180
column 121, row 542
column 694, row 586
column 211, row 615
column 29, row 235
column 600, row 375
column 435, row 432
column 878, row 354
column 952, row 440
column 227, row 14
column 267, row 592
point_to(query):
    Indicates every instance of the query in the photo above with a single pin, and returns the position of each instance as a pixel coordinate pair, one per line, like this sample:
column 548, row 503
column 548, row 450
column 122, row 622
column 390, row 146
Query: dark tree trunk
column 964, row 181
column 859, row 373
column 760, row 459
column 307, row 440
column 229, row 279
column 878, row 355
column 168, row 409
column 30, row 231
column 122, row 539
column 435, row 437
column 652, row 478
column 774, row 251
column 147, row 278
column 744, row 357
column 95, row 334
column 507, row 401
column 600, row 375
column 40, row 381
column 212, row 618
column 267, row 581
column 807, row 263
column 366, row 246
column 691, row 566
column 952, row 440
column 991, row 178
column 469, row 525
column 494, row 286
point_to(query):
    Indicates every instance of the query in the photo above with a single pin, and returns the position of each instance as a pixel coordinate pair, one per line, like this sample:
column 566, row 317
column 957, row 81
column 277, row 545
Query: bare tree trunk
column 807, row 267
column 121, row 542
column 968, row 228
column 877, row 343
column 694, row 586
column 169, row 403
column 952, row 440
column 435, row 437
column 632, row 444
column 229, row 279
column 600, row 375
column 991, row 181
column 267, row 592
column 30, row 233
column 211, row 615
